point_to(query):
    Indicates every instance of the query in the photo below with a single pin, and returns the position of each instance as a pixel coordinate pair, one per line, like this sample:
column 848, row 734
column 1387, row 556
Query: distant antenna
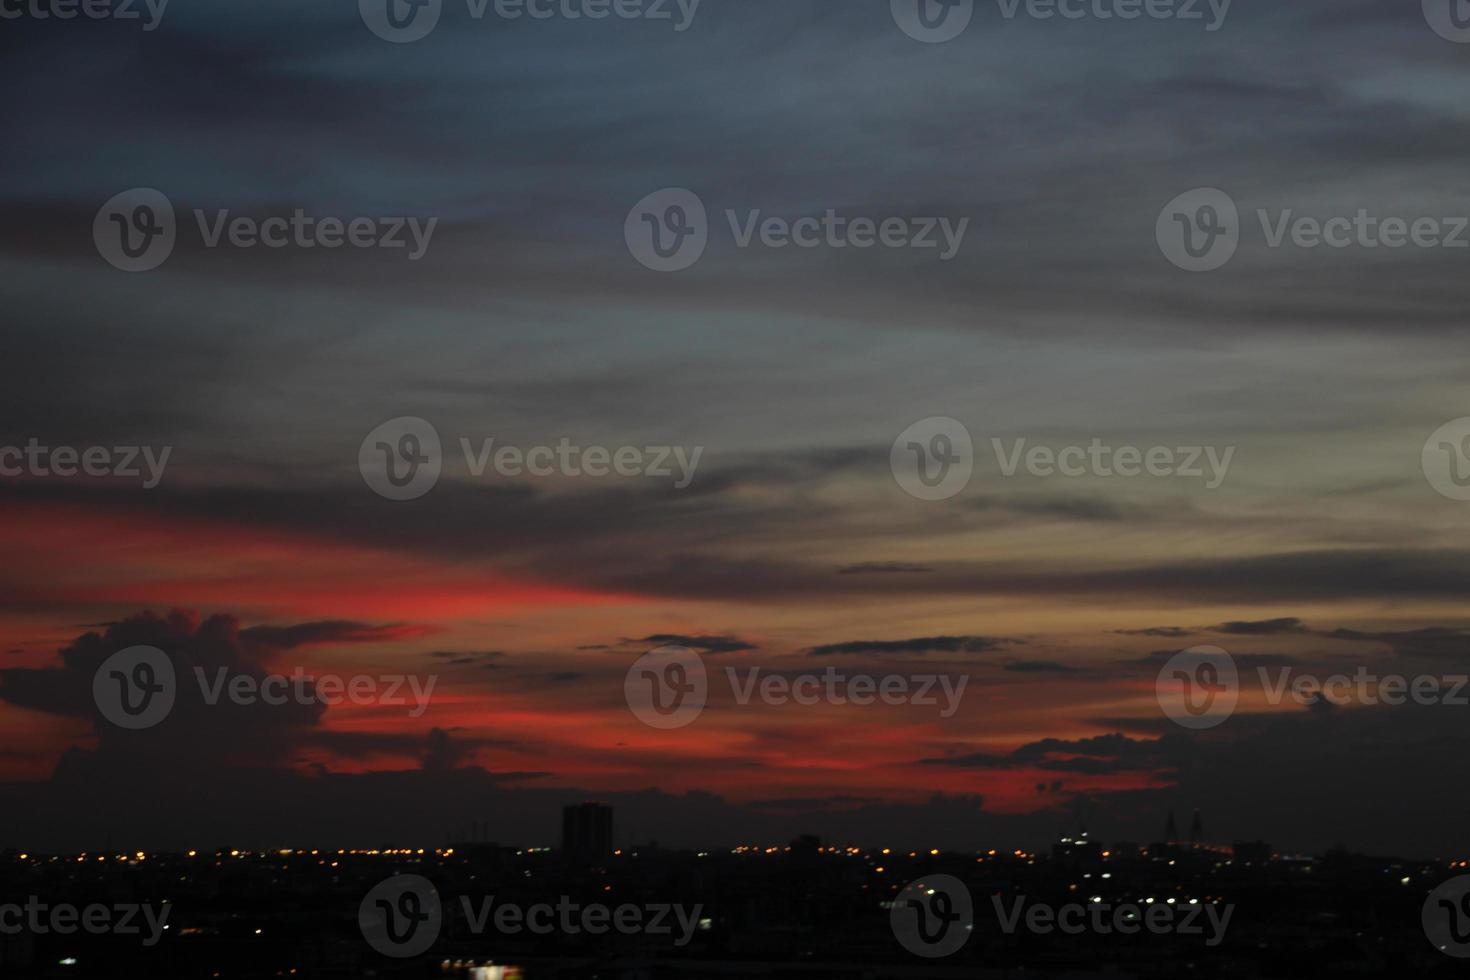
column 1196, row 830
column 1171, row 830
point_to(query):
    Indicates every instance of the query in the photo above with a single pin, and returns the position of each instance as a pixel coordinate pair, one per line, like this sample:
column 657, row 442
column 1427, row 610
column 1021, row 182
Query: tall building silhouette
column 586, row 832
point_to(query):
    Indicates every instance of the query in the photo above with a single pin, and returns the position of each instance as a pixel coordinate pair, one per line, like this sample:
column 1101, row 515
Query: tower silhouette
column 1196, row 830
column 1171, row 830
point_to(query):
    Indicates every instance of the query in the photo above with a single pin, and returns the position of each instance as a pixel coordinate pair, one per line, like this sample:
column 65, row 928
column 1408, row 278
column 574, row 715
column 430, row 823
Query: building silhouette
column 586, row 832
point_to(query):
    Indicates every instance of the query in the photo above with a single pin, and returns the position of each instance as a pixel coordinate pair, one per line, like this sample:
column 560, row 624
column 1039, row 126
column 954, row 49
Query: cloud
column 1041, row 667
column 1157, row 658
column 195, row 730
column 705, row 644
column 1164, row 631
column 883, row 568
column 486, row 660
column 1430, row 643
column 917, row 645
column 1260, row 627
column 331, row 632
column 1098, row 755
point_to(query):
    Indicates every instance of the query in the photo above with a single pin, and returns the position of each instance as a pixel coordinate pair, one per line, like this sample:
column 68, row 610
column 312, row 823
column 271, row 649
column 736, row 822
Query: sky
column 794, row 545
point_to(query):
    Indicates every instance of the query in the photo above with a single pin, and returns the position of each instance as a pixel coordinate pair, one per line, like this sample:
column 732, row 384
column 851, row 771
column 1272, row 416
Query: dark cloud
column 195, row 731
column 882, row 568
column 1157, row 658
column 326, row 633
column 1165, row 631
column 1099, row 755
column 916, row 645
column 1041, row 667
column 488, row 659
column 810, row 803
column 704, row 644
column 1440, row 643
column 1260, row 627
